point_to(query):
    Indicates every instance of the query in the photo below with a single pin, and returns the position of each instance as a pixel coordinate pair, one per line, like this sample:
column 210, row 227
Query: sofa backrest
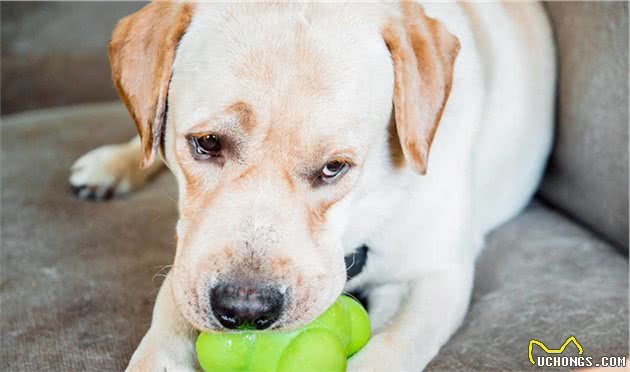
column 54, row 53
column 587, row 176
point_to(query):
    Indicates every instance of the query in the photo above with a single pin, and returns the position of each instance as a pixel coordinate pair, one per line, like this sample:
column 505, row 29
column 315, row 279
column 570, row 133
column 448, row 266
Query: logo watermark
column 553, row 359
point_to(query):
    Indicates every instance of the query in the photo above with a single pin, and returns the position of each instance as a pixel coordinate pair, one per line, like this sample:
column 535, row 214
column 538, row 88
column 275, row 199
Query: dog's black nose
column 239, row 306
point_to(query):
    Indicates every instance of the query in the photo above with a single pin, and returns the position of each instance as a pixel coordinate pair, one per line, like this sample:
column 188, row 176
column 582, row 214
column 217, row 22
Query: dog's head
column 270, row 117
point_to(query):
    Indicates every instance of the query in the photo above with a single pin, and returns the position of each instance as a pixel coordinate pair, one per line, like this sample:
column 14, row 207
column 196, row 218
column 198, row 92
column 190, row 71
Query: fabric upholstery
column 541, row 277
column 78, row 279
column 588, row 173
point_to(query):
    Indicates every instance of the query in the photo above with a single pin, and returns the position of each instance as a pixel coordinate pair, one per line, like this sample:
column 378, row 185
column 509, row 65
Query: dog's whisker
column 352, row 264
column 346, row 293
column 161, row 271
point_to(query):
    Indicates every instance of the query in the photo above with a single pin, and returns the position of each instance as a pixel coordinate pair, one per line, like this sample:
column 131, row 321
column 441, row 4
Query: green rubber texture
column 324, row 345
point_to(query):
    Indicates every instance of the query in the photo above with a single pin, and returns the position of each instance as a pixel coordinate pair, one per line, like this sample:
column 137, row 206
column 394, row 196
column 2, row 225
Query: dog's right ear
column 141, row 54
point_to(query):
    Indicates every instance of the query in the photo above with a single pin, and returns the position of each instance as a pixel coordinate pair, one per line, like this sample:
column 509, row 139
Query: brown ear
column 141, row 54
column 423, row 53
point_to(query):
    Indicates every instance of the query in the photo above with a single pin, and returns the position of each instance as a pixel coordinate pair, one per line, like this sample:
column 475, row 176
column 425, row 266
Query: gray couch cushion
column 588, row 173
column 77, row 281
column 541, row 277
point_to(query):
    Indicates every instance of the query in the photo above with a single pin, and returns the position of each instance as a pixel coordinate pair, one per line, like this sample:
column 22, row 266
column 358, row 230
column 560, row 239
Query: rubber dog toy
column 321, row 346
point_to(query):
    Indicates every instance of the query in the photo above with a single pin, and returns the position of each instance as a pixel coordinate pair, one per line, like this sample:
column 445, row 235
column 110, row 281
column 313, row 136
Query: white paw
column 387, row 353
column 105, row 172
column 162, row 353
column 160, row 363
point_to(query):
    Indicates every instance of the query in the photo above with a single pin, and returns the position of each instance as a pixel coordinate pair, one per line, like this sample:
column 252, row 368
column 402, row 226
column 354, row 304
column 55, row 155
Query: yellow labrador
column 298, row 132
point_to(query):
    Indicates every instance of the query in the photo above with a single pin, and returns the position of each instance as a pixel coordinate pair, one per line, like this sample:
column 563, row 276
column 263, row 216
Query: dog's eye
column 208, row 144
column 332, row 170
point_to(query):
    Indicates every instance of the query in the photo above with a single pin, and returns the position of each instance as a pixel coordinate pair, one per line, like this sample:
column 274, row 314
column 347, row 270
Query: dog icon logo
column 569, row 340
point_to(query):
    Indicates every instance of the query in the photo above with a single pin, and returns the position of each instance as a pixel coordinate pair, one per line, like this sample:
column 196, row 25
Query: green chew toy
column 321, row 346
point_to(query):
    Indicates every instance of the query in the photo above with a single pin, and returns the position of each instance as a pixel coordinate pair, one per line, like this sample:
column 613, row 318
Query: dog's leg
column 169, row 345
column 385, row 301
column 110, row 170
column 434, row 308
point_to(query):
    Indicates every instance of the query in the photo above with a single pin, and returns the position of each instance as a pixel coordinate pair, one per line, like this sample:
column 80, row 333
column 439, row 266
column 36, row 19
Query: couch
column 78, row 280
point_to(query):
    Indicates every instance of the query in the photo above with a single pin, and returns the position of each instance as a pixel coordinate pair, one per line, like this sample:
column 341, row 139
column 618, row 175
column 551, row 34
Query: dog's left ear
column 423, row 53
column 141, row 53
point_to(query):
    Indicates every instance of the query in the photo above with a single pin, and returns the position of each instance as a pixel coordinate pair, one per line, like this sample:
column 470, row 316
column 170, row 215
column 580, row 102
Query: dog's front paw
column 105, row 172
column 163, row 357
column 386, row 353
column 160, row 362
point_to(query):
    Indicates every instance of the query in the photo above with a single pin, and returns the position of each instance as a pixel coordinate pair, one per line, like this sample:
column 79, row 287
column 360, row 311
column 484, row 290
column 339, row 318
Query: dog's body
column 290, row 74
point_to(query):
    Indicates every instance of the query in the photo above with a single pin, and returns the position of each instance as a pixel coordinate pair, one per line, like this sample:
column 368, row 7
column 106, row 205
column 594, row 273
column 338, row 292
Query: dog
column 299, row 132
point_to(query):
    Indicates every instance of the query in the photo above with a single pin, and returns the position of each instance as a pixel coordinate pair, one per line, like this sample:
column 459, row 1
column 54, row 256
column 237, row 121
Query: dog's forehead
column 298, row 61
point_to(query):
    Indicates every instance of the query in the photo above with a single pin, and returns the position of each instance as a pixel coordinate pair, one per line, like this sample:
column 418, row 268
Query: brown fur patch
column 255, row 67
column 393, row 142
column 179, row 158
column 289, row 180
column 310, row 66
column 279, row 266
column 245, row 113
column 197, row 203
column 246, row 173
column 317, row 216
column 262, row 65
column 208, row 197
